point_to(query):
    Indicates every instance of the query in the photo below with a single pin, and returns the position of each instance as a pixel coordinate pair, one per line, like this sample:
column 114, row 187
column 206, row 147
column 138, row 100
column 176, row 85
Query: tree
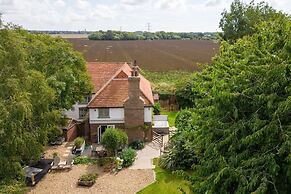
column 1, row 22
column 157, row 108
column 240, row 128
column 113, row 139
column 40, row 76
column 242, row 19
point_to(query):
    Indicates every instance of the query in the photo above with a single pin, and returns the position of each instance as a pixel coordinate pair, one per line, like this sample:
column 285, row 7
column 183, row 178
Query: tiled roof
column 114, row 95
column 113, row 91
column 101, row 73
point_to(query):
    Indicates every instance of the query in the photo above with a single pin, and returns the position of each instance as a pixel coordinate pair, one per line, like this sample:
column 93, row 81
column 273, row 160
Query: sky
column 125, row 15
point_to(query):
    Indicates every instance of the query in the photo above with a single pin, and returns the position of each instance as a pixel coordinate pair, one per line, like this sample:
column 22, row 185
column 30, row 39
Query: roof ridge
column 107, row 83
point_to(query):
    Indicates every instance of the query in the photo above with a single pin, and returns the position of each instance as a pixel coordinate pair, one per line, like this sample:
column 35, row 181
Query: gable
column 111, row 85
column 121, row 75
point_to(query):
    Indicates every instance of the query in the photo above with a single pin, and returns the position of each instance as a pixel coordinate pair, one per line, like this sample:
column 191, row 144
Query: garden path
column 145, row 157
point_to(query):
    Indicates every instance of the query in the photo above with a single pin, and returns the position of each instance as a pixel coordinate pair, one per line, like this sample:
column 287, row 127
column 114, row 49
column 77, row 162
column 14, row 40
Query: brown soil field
column 157, row 55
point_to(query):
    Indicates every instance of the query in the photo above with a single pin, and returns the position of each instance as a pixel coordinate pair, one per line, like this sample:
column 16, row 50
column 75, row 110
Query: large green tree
column 40, row 76
column 241, row 126
column 241, row 19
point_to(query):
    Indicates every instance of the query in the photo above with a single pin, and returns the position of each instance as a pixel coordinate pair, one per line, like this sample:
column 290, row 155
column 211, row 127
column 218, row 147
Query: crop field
column 157, row 55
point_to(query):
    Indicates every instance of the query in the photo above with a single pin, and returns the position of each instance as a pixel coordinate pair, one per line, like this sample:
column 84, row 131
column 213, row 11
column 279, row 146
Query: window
column 103, row 113
column 82, row 112
column 86, row 99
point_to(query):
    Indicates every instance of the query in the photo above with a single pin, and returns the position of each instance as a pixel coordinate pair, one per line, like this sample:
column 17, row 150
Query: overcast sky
column 128, row 15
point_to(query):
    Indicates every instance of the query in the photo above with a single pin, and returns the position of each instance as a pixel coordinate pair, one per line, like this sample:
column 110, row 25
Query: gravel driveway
column 125, row 182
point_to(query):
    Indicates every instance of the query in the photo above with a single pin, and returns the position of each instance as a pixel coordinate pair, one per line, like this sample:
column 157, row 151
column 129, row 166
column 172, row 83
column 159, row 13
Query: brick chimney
column 133, row 106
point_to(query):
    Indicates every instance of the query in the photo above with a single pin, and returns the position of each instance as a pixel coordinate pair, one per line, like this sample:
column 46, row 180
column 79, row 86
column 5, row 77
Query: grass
column 166, row 183
column 171, row 117
column 166, row 82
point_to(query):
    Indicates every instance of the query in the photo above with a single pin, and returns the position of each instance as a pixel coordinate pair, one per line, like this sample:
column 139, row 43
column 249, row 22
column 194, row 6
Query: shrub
column 13, row 186
column 183, row 119
column 157, row 108
column 53, row 133
column 83, row 160
column 78, row 142
column 137, row 145
column 128, row 156
column 87, row 179
column 108, row 163
column 105, row 161
column 179, row 156
column 113, row 139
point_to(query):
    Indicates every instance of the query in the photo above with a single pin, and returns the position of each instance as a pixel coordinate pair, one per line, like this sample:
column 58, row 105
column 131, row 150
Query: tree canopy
column 241, row 19
column 40, row 76
column 161, row 35
column 239, row 136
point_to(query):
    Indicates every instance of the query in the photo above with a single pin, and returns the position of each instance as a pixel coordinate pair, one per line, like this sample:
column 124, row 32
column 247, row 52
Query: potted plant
column 87, row 180
column 79, row 145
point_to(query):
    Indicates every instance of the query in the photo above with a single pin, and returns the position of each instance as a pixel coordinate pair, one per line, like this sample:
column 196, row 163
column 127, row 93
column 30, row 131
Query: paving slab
column 145, row 157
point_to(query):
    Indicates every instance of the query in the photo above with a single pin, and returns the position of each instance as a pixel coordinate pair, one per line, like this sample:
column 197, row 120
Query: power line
column 149, row 27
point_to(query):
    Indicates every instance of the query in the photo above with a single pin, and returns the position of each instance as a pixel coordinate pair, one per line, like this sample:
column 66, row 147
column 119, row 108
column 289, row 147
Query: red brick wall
column 133, row 133
column 72, row 133
column 93, row 130
column 134, row 106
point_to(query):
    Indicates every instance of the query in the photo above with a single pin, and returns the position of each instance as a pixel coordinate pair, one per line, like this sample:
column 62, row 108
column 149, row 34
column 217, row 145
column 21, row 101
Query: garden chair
column 69, row 163
column 55, row 164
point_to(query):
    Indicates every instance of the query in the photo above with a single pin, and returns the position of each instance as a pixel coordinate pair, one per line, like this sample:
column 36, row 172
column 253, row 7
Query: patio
column 128, row 180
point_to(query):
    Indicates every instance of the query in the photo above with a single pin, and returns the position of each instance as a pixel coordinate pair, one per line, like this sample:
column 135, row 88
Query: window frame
column 107, row 116
column 83, row 110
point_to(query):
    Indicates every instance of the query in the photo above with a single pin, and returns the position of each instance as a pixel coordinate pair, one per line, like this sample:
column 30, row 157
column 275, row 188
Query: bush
column 113, row 139
column 183, row 119
column 105, row 161
column 83, row 160
column 54, row 133
column 78, row 142
column 181, row 155
column 128, row 155
column 108, row 163
column 137, row 145
column 13, row 187
column 87, row 179
column 157, row 108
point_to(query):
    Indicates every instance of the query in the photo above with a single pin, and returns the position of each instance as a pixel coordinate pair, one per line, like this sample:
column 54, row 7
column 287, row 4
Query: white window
column 103, row 113
column 86, row 99
column 82, row 112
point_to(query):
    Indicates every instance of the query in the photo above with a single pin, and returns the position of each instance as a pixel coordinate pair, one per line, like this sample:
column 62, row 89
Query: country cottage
column 121, row 98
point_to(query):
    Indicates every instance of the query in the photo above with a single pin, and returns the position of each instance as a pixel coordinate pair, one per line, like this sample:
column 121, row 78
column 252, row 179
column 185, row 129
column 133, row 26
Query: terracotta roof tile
column 111, row 85
column 101, row 73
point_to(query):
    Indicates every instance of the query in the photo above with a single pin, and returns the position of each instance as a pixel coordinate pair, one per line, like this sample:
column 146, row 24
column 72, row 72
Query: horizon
column 121, row 15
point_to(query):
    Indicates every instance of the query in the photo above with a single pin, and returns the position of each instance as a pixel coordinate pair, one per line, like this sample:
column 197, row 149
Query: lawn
column 166, row 183
column 171, row 117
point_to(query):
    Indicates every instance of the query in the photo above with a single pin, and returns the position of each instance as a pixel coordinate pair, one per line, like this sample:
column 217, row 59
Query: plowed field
column 157, row 55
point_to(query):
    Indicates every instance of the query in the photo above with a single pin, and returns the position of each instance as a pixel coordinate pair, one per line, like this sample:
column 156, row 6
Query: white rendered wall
column 116, row 116
column 147, row 114
column 74, row 114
